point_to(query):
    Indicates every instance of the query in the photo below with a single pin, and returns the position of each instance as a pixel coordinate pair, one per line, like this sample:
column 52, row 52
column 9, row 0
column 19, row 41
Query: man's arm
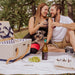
column 69, row 26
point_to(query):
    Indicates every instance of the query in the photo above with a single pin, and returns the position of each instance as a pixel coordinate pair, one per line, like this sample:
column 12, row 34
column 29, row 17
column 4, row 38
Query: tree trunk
column 63, row 7
column 33, row 9
column 74, row 12
column 70, row 10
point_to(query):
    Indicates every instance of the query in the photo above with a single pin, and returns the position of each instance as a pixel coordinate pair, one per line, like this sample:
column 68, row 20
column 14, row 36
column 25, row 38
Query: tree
column 18, row 12
column 63, row 7
column 70, row 8
column 73, row 10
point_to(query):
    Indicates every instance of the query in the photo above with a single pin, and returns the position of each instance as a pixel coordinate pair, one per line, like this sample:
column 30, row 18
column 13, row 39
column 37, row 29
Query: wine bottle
column 45, row 51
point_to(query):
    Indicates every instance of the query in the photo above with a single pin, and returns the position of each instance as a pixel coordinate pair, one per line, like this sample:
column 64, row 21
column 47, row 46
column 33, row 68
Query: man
column 62, row 33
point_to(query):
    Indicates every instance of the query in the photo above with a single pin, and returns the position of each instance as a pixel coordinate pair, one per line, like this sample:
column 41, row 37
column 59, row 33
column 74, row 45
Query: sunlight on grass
column 20, row 34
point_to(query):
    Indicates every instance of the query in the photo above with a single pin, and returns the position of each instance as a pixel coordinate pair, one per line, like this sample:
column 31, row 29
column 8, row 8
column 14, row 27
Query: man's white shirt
column 60, row 32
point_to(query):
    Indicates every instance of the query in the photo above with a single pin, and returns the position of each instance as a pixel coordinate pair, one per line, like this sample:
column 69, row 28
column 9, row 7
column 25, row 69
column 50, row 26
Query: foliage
column 17, row 12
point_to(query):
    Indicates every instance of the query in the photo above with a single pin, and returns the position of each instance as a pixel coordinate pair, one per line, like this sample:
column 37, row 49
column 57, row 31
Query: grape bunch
column 34, row 59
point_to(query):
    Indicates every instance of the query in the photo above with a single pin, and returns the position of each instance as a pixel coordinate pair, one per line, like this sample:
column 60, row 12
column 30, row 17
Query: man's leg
column 70, row 37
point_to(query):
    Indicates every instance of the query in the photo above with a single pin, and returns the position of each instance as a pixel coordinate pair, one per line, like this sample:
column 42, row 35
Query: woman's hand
column 43, row 24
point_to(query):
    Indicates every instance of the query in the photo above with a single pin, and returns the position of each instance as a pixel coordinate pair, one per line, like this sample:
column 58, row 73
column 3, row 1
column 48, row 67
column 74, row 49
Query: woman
column 40, row 21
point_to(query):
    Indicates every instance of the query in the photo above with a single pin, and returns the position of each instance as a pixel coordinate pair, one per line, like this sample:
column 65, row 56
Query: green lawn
column 20, row 34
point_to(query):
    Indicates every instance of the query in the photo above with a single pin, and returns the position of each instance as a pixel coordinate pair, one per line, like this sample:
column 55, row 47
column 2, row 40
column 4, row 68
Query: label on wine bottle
column 44, row 55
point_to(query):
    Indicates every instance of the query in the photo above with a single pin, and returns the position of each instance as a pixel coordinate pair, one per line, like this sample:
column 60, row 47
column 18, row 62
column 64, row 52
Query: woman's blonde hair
column 38, row 12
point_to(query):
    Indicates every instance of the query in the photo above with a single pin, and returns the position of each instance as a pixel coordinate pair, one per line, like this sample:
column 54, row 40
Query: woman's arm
column 50, row 30
column 32, row 28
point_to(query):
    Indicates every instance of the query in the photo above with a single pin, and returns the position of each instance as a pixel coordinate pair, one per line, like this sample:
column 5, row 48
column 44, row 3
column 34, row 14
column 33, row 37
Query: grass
column 21, row 34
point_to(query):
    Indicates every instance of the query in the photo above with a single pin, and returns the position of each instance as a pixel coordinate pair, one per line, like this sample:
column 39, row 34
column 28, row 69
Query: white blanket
column 43, row 67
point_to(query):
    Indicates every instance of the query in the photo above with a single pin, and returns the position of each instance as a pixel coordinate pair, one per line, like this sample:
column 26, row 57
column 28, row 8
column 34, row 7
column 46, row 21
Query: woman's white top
column 60, row 32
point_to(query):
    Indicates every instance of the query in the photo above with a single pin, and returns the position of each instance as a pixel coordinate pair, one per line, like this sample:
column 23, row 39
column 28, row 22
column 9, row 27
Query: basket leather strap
column 28, row 48
column 17, row 52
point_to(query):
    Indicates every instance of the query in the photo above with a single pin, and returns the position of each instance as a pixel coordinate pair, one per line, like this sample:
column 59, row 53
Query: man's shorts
column 61, row 44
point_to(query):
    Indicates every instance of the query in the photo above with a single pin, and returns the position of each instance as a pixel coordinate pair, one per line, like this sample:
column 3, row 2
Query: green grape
column 30, row 59
column 38, row 60
column 34, row 59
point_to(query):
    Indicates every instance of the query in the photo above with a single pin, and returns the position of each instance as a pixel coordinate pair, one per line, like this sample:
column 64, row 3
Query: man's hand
column 68, row 26
column 56, row 24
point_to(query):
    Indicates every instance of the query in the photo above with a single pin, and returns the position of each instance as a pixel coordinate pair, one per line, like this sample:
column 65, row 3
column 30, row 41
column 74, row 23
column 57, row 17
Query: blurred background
column 18, row 12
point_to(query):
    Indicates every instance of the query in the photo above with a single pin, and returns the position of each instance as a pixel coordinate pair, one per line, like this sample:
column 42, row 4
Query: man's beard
column 54, row 15
column 44, row 16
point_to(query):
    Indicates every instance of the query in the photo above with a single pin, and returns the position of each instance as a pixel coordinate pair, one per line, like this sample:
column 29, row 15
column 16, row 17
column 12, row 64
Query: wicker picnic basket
column 14, row 49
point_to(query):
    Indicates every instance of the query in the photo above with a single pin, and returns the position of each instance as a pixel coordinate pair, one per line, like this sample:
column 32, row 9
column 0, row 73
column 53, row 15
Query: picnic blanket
column 23, row 66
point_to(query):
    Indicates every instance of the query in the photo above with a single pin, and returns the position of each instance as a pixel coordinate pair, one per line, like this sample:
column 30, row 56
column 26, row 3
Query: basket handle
column 28, row 48
column 17, row 52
